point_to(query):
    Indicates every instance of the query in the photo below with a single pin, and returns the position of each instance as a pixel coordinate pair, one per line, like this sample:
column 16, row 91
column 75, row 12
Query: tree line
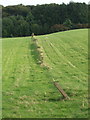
column 21, row 20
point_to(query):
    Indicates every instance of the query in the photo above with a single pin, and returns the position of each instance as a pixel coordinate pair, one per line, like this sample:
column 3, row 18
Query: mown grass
column 0, row 78
column 28, row 89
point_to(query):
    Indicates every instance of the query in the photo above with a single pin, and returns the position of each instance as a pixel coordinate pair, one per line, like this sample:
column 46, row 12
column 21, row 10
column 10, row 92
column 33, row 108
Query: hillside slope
column 28, row 90
column 67, row 55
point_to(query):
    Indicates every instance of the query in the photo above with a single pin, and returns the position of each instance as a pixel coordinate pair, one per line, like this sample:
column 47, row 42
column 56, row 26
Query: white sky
column 35, row 2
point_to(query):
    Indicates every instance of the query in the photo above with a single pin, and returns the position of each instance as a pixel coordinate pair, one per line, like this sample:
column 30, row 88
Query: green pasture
column 28, row 89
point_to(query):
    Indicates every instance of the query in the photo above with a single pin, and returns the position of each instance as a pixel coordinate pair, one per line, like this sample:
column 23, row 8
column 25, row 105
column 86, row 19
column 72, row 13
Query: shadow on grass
column 49, row 99
column 34, row 52
column 55, row 99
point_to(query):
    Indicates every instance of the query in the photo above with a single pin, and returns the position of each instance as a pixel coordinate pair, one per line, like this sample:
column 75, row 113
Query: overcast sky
column 35, row 2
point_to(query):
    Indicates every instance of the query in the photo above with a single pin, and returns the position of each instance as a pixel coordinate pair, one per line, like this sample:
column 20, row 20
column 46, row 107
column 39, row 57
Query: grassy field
column 28, row 89
column 0, row 78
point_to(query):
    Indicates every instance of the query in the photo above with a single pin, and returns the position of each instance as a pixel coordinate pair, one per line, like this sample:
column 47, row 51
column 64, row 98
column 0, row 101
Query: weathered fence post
column 32, row 35
column 61, row 90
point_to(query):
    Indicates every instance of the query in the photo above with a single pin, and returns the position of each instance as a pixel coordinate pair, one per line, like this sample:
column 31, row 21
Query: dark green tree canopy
column 20, row 20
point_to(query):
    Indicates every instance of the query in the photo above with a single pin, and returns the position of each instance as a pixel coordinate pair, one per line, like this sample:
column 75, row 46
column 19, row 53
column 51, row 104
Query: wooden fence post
column 61, row 90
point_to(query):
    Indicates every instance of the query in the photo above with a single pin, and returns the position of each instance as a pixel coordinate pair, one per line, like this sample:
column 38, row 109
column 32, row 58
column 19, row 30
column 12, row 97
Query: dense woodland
column 20, row 20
